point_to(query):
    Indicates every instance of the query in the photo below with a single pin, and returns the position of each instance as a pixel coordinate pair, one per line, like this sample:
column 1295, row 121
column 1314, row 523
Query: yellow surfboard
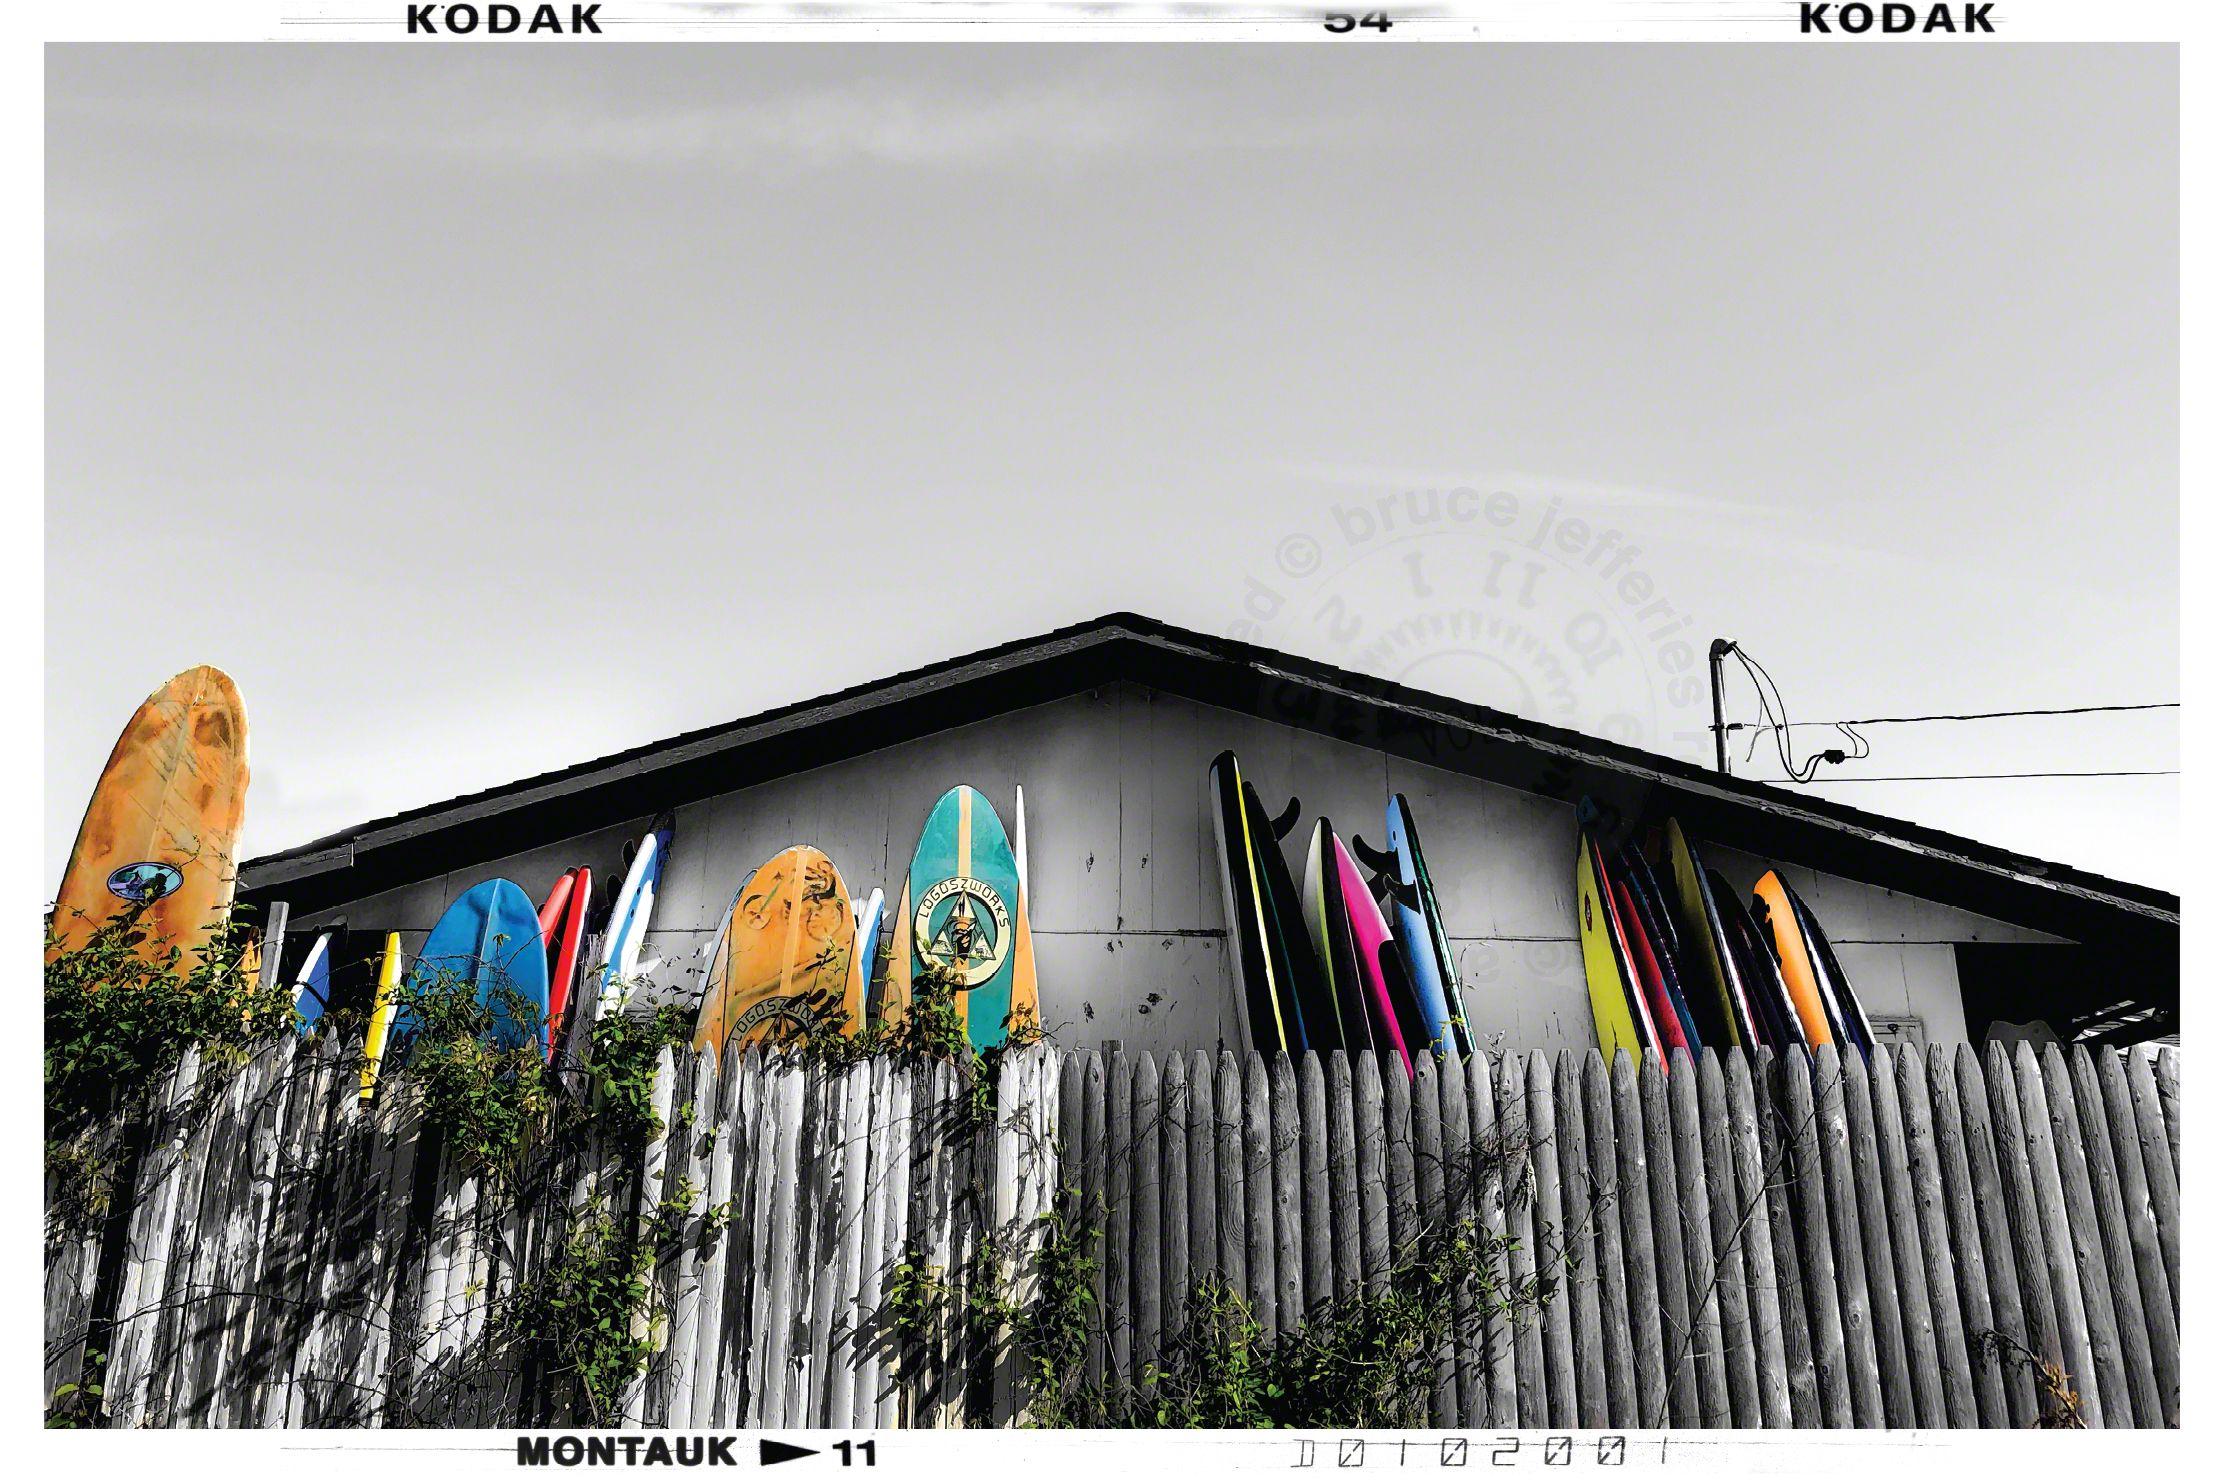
column 791, row 938
column 1796, row 960
column 164, row 819
column 1607, row 991
column 383, row 1011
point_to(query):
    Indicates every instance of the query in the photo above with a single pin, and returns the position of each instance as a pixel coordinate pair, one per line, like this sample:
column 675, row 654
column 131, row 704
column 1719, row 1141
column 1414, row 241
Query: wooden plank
column 199, row 1302
column 2095, row 1199
column 1006, row 1195
column 1904, row 1323
column 2141, row 1223
column 1675, row 1315
column 1145, row 1230
column 898, row 1237
column 721, row 1186
column 2168, row 1078
column 1316, row 1193
column 813, row 1347
column 971, row 1167
column 1846, row 1230
column 1750, row 1210
column 1370, row 1174
column 1075, row 1206
column 1489, row 1178
column 1461, row 1192
column 780, row 1235
column 1231, row 1178
column 1342, row 1160
column 1727, row 1261
column 689, row 1152
column 1622, row 1409
column 1176, row 1196
column 2055, row 1098
column 1644, row 1302
column 1529, row 1361
column 399, row 1133
column 743, row 1320
column 1706, row 1335
column 1434, row 1226
column 652, row 1183
column 2026, row 1308
column 185, row 1274
column 1262, row 1277
column 1200, row 1169
column 1967, row 1251
column 1551, row 1253
column 1815, row 1257
column 859, row 1159
column 246, row 1369
column 2042, row 1165
column 1119, row 1255
column 2161, row 1182
column 1905, row 1087
column 1091, row 1157
column 1285, row 1193
column 1402, row 1224
column 1892, row 1257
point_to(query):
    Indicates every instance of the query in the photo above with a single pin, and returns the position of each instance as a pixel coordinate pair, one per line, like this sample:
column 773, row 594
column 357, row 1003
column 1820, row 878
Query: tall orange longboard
column 164, row 818
column 791, row 937
column 1796, row 963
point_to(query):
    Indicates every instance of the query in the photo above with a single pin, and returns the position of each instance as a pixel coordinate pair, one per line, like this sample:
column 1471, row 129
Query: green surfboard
column 964, row 894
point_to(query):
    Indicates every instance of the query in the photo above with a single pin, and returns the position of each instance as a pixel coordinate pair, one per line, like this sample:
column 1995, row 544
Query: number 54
column 1340, row 25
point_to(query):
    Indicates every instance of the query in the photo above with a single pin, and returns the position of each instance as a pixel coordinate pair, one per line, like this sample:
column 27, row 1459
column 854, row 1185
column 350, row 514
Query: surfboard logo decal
column 964, row 927
column 144, row 881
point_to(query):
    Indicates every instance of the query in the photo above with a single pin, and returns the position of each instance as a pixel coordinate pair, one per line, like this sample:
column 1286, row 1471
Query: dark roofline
column 1547, row 760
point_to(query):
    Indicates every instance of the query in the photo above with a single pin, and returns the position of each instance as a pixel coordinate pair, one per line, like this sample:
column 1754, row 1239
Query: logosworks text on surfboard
column 627, row 1451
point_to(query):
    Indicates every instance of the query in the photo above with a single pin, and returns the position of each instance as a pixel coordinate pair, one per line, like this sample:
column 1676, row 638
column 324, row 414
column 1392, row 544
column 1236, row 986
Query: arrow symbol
column 774, row 1453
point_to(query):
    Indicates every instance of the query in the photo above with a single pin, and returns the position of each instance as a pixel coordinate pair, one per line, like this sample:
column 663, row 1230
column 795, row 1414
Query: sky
column 483, row 410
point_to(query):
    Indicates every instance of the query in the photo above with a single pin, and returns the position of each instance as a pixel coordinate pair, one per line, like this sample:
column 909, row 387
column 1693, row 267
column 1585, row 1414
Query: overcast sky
column 486, row 409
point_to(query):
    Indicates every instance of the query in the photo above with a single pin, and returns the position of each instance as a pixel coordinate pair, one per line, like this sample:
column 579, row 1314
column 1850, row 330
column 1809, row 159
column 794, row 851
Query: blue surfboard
column 1417, row 928
column 311, row 984
column 1416, row 879
column 490, row 937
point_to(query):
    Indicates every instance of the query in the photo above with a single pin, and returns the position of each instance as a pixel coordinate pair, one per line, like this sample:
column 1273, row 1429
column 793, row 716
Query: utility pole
column 1720, row 648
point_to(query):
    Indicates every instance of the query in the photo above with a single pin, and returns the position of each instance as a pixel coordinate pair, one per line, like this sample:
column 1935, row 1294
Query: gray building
column 1109, row 728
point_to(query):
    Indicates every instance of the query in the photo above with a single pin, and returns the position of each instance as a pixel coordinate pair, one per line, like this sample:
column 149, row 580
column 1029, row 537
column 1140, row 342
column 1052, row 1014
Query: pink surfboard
column 1372, row 937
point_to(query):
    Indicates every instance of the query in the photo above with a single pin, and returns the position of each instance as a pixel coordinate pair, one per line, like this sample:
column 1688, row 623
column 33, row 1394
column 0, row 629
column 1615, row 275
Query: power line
column 1898, row 720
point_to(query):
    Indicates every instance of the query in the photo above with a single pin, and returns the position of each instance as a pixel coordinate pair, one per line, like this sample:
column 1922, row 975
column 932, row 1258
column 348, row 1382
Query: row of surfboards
column 1357, row 956
column 794, row 949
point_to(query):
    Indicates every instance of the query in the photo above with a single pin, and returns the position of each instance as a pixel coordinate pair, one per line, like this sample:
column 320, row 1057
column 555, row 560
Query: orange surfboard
column 164, row 818
column 790, row 939
column 1796, row 962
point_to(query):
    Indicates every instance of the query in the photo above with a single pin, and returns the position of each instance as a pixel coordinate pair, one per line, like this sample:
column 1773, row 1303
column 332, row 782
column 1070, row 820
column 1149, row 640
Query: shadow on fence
column 1944, row 1238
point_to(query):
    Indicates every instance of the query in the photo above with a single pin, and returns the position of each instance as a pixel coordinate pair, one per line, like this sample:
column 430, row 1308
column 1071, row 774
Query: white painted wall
column 1124, row 901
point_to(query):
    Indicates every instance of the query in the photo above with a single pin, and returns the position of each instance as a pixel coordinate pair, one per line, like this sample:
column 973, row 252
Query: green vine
column 122, row 1007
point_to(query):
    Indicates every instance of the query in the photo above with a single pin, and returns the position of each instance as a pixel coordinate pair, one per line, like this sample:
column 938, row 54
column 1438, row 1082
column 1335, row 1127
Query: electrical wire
column 1900, row 720
column 1776, row 712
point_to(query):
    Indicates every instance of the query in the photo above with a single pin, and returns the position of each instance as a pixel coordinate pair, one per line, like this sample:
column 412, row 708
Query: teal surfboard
column 964, row 893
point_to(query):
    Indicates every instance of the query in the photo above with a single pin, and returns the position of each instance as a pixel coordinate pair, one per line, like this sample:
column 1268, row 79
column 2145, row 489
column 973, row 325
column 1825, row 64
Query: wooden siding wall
column 1742, row 1242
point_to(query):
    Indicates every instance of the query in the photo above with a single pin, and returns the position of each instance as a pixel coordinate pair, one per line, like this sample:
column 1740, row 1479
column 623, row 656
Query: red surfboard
column 1669, row 1035
column 563, row 916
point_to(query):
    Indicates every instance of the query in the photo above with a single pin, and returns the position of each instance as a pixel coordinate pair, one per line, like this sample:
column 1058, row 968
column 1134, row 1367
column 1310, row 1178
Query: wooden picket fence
column 1767, row 1241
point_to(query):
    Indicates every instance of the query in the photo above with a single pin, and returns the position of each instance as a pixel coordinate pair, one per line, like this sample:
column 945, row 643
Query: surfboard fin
column 1282, row 825
column 1380, row 861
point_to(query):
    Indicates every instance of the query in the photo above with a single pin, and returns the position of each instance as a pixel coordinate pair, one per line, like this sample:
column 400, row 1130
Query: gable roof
column 1549, row 761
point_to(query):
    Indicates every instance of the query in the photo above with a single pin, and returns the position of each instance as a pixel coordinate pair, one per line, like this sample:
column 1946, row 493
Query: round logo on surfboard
column 144, row 881
column 963, row 926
